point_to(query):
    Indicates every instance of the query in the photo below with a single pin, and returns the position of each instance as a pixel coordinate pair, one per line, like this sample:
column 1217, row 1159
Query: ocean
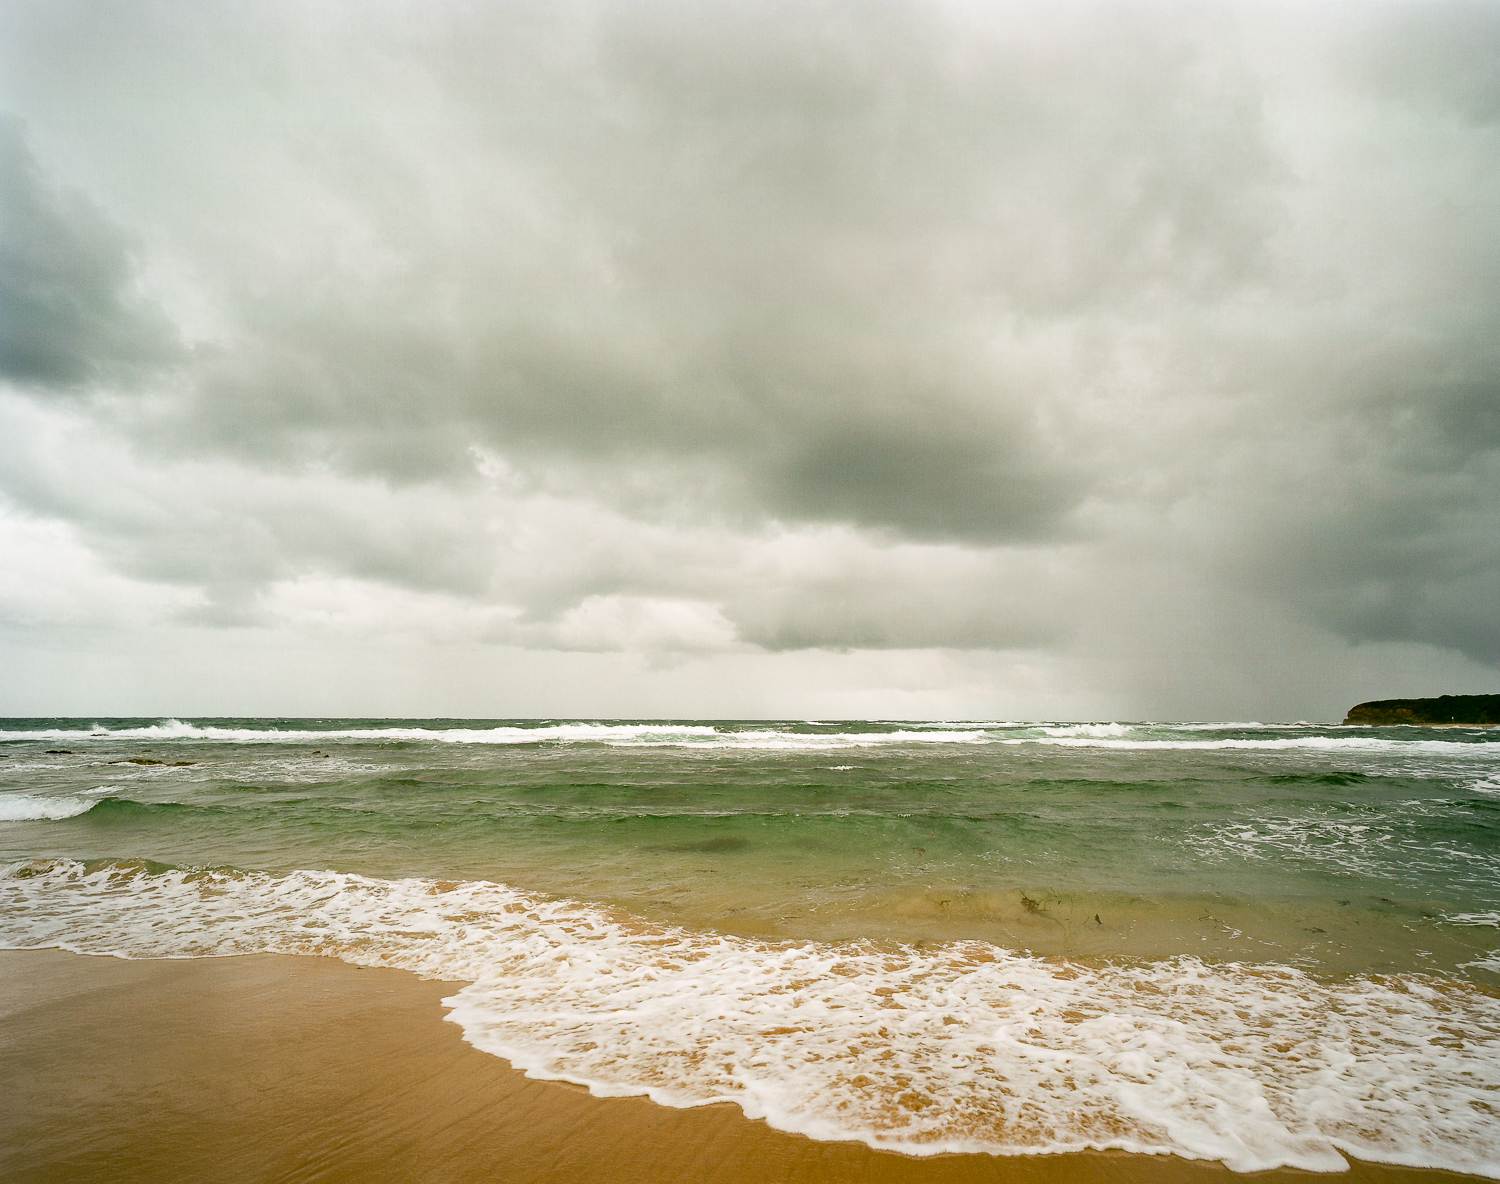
column 1263, row 944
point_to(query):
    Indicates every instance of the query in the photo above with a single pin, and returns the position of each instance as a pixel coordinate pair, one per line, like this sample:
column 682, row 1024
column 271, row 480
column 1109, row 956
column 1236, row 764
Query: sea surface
column 1264, row 944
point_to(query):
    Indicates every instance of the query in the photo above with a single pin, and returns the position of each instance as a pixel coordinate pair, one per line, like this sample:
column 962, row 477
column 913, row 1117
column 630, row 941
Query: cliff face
column 1445, row 709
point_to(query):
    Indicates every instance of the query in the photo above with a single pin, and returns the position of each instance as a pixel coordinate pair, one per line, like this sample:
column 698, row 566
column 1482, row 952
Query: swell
column 960, row 1046
column 1418, row 820
column 1415, row 847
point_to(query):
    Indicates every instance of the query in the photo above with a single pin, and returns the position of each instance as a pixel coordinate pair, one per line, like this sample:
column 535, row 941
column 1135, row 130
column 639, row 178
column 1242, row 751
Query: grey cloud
column 69, row 313
column 1023, row 300
column 1411, row 552
column 233, row 531
column 766, row 242
column 1444, row 58
column 559, row 573
column 886, row 601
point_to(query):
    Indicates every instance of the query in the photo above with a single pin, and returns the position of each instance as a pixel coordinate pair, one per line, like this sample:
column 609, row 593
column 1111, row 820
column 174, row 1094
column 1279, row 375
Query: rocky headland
column 1444, row 711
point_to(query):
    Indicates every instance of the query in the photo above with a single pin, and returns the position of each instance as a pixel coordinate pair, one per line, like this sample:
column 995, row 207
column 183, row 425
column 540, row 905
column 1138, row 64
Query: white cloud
column 50, row 579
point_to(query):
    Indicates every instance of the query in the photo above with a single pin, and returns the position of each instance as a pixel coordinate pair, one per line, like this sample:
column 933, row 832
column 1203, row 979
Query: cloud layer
column 1106, row 340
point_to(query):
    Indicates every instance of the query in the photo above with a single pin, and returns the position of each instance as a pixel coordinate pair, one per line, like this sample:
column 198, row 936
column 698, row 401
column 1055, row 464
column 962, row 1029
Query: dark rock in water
column 1445, row 709
column 59, row 752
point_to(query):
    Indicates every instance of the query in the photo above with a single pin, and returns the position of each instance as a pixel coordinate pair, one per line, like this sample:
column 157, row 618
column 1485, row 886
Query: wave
column 1330, row 743
column 642, row 735
column 26, row 807
column 1090, row 730
column 962, row 1046
column 1406, row 840
column 1490, row 961
column 1144, row 737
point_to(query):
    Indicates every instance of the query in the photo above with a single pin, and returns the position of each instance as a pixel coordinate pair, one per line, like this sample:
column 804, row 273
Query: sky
column 748, row 358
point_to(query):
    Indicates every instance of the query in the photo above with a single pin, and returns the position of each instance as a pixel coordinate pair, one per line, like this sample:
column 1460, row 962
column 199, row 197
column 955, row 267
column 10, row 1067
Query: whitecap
column 1273, row 744
column 26, row 807
column 686, row 735
column 614, row 735
column 1090, row 730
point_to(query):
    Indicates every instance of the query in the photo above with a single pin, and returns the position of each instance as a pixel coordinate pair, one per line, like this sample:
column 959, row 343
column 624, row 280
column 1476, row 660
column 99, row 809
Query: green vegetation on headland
column 1445, row 709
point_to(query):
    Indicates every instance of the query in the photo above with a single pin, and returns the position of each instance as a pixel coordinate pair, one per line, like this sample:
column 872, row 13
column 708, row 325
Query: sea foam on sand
column 962, row 1046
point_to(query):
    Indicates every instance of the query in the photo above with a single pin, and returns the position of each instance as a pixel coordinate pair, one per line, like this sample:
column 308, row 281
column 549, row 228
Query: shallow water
column 1260, row 944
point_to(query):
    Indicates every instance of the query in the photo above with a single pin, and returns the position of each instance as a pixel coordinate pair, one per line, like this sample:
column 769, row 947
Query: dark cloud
column 656, row 325
column 772, row 242
column 69, row 311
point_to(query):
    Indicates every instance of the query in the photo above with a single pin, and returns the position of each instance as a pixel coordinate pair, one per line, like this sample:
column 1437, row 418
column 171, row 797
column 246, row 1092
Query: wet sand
column 305, row 1069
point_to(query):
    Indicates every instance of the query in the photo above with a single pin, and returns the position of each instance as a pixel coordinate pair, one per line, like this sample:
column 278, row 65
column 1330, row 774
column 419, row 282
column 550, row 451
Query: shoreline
column 271, row 1067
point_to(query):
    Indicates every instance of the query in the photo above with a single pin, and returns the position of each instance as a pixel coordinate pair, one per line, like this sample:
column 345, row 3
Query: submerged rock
column 1445, row 709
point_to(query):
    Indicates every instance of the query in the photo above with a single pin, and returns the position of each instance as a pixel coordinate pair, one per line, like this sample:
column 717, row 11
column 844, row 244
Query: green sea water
column 1345, row 848
column 1340, row 855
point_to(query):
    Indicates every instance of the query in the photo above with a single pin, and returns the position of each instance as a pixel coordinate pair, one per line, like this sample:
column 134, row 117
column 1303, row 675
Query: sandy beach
column 272, row 1068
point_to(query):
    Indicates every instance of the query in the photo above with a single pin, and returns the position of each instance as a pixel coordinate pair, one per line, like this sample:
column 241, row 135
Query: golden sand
column 274, row 1069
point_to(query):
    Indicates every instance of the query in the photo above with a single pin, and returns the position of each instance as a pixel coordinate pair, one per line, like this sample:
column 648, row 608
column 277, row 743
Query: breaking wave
column 642, row 735
column 1144, row 737
column 26, row 807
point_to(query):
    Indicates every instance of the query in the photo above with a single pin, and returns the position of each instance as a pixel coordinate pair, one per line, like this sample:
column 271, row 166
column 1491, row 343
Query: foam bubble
column 26, row 807
column 956, row 1047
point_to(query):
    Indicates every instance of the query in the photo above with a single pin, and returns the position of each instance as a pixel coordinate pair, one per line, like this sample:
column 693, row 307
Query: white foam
column 957, row 1047
column 1242, row 724
column 674, row 735
column 173, row 729
column 1490, row 961
column 1327, row 743
column 616, row 735
column 26, row 807
column 1379, row 842
column 1491, row 919
column 1090, row 730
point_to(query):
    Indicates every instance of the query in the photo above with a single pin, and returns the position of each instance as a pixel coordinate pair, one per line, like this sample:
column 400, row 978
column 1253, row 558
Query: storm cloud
column 1135, row 358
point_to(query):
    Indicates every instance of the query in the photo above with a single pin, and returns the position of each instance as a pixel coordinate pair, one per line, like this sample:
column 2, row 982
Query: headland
column 1443, row 711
